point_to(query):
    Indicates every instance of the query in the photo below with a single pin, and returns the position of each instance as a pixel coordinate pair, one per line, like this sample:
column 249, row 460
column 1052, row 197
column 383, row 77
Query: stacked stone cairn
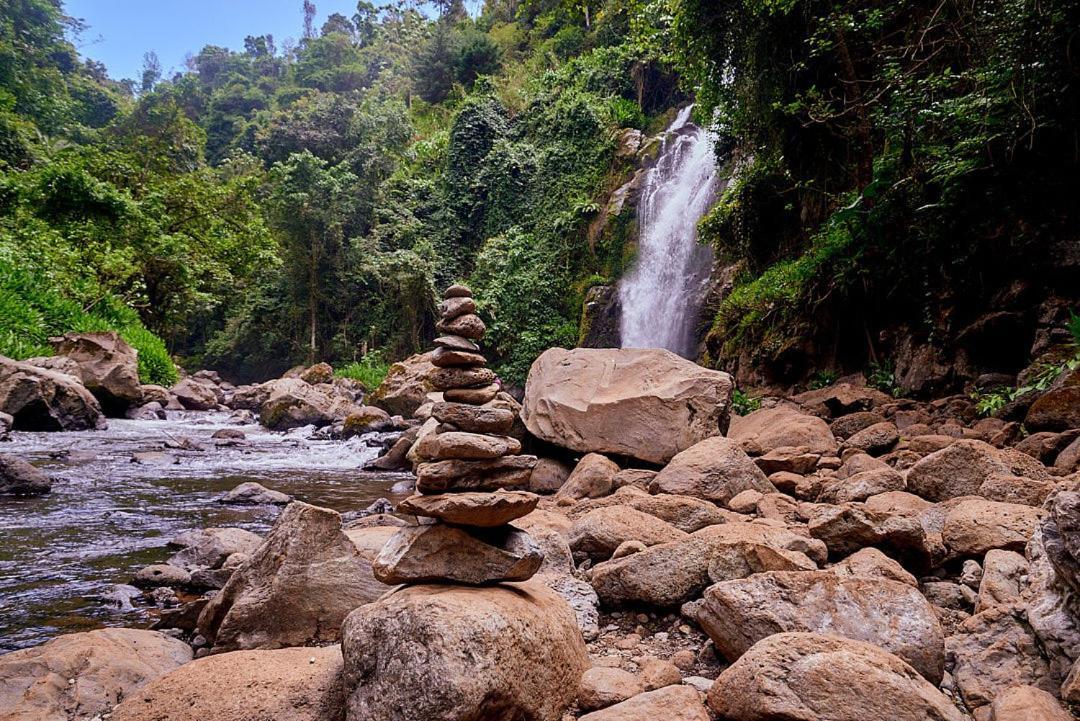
column 466, row 465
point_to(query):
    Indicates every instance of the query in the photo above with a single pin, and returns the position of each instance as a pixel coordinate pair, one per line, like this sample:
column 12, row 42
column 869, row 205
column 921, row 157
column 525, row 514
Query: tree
column 433, row 66
column 151, row 72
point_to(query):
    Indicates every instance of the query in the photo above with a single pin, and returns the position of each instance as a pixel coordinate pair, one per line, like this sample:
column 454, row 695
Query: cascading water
column 661, row 298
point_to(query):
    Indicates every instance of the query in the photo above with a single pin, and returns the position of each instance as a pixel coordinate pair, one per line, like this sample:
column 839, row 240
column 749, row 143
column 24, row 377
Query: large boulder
column 813, row 677
column 782, row 427
column 19, row 478
column 841, row 399
column 209, row 547
column 405, row 387
column 107, row 366
column 1059, row 408
column 298, row 684
column 197, row 394
column 669, row 574
column 965, row 467
column 715, row 469
column 296, row 588
column 599, row 532
column 648, row 404
column 738, row 613
column 452, row 653
column 83, row 675
column 293, row 403
column 685, row 513
column 974, row 526
column 44, row 400
column 1027, row 703
column 670, row 703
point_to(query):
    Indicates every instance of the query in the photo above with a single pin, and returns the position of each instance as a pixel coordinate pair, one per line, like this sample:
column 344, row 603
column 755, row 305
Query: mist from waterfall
column 661, row 297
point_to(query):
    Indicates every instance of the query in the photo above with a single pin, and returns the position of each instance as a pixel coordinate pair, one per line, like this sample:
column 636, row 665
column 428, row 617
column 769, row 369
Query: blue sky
column 120, row 31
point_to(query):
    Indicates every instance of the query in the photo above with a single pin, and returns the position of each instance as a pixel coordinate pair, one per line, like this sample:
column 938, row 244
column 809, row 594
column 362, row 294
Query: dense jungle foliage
column 270, row 206
column 274, row 205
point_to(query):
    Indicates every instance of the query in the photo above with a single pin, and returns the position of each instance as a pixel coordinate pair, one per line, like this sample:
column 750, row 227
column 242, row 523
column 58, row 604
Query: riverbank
column 65, row 553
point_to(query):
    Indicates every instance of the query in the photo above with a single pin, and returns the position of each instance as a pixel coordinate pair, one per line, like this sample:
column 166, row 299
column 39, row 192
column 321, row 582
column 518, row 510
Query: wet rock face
column 461, row 654
column 648, row 404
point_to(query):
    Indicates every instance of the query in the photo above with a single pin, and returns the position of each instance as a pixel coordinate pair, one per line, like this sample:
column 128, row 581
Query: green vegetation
column 884, row 151
column 743, row 404
column 270, row 206
column 274, row 206
column 369, row 371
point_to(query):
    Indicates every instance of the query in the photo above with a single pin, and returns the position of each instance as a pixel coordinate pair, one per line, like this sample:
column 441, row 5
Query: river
column 63, row 554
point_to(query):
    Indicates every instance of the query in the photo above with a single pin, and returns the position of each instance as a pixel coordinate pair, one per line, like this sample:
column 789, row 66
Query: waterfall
column 661, row 297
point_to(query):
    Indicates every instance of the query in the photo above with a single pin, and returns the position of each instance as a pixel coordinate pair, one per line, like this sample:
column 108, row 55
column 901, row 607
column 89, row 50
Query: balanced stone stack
column 467, row 464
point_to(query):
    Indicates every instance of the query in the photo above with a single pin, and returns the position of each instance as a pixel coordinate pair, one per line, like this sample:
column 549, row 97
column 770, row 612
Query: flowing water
column 63, row 554
column 662, row 296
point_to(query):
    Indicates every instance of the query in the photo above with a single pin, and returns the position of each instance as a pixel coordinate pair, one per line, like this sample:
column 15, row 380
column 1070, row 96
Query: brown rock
column 446, row 358
column 474, row 419
column 45, row 400
column 462, row 654
column 318, row 373
column 460, row 475
column 457, row 291
column 683, row 512
column 876, row 439
column 671, row 703
column 1058, row 409
column 872, row 563
column 812, row 677
column 656, row 673
column 860, row 486
column 848, row 425
column 456, row 342
column 298, row 684
column 548, row 475
column 850, row 527
column 467, row 326
column 974, row 526
column 599, row 532
column 486, row 510
column 453, row 307
column 961, row 468
column 648, row 404
column 715, row 469
column 465, row 446
column 592, row 477
column 993, row 651
column 82, row 675
column 1003, row 579
column 670, row 574
column 841, row 399
column 295, row 589
column 107, row 366
column 472, row 396
column 443, row 379
column 769, row 428
column 440, row 553
column 1027, row 703
column 601, row 687
column 737, row 614
column 405, row 387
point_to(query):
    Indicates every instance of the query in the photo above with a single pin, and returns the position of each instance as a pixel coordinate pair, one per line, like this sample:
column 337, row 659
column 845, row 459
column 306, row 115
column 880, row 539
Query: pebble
column 661, row 635
column 629, row 642
column 701, row 683
column 643, row 618
column 684, row 659
column 684, row 629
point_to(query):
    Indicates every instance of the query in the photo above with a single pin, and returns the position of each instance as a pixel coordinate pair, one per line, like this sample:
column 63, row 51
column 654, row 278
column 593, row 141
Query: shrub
column 369, row 371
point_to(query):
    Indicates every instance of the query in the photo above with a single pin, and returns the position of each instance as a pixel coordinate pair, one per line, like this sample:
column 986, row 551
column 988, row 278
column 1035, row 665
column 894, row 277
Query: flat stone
column 453, row 307
column 254, row 494
column 472, row 509
column 456, row 342
column 446, row 358
column 474, row 419
column 468, row 326
column 457, row 291
column 460, row 475
column 448, row 554
column 466, row 446
column 472, row 396
column 444, row 379
column 161, row 574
